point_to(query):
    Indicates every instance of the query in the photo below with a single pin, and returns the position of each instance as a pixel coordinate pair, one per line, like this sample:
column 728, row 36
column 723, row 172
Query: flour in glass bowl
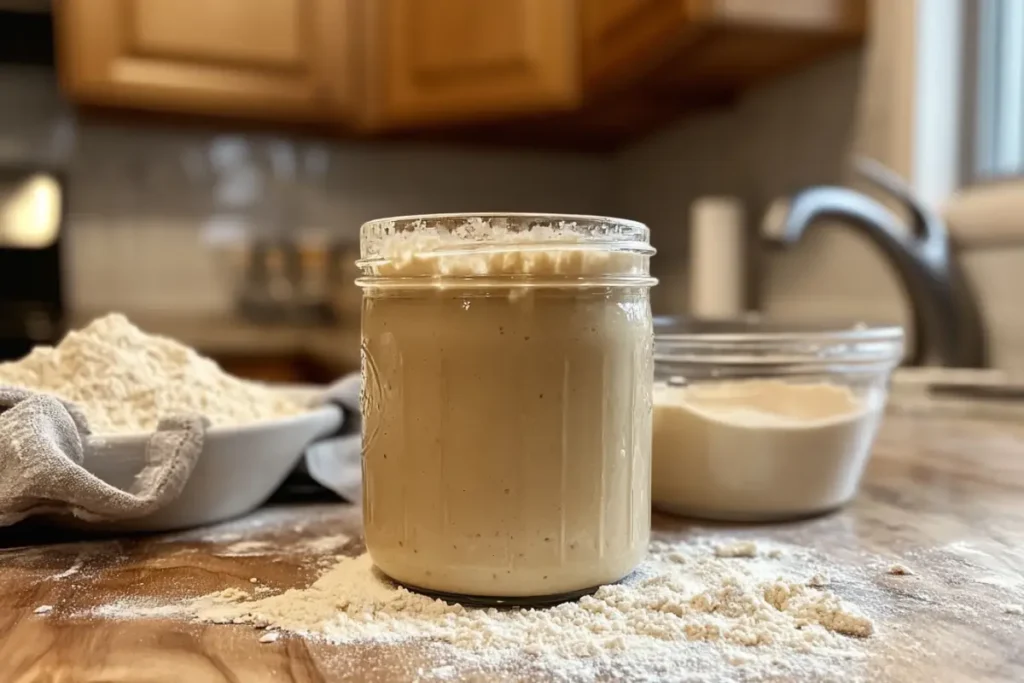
column 126, row 381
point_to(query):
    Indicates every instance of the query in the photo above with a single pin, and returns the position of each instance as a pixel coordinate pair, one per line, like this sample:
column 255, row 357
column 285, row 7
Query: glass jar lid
column 526, row 247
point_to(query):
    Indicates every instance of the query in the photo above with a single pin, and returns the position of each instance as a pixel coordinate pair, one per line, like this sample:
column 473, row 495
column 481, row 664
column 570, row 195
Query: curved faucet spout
column 947, row 324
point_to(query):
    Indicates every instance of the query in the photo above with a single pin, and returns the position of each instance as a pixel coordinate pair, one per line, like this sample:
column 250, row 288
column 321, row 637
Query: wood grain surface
column 943, row 497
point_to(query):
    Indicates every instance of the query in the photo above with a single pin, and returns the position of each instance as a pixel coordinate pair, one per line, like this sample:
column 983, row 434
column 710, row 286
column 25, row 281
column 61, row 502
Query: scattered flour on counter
column 43, row 609
column 987, row 562
column 125, row 380
column 246, row 548
column 717, row 619
column 75, row 567
column 323, row 544
column 444, row 673
column 134, row 608
column 1013, row 609
column 264, row 526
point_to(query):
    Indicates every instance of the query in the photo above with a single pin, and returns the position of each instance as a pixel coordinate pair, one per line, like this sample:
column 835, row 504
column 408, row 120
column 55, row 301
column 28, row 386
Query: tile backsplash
column 36, row 125
column 141, row 199
column 272, row 182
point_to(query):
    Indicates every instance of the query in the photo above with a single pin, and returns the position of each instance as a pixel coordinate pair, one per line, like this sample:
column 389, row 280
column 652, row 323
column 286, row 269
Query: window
column 998, row 68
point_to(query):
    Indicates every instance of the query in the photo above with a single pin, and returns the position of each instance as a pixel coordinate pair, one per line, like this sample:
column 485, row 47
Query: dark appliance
column 32, row 204
column 32, row 226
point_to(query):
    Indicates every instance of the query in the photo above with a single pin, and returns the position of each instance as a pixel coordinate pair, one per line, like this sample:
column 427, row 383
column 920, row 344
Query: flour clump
column 737, row 549
column 126, row 381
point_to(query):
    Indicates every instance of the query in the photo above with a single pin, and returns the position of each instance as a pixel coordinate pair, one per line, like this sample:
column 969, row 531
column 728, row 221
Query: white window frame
column 941, row 96
column 997, row 132
column 923, row 42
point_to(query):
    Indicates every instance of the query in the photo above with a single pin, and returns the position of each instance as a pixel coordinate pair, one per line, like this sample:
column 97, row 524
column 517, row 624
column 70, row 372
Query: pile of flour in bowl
column 125, row 380
column 694, row 611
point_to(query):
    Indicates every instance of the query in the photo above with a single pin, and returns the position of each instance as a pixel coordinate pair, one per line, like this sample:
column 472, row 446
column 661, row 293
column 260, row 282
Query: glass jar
column 755, row 421
column 507, row 370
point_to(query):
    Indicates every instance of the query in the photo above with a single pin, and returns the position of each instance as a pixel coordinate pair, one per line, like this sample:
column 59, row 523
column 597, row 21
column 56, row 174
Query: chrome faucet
column 948, row 328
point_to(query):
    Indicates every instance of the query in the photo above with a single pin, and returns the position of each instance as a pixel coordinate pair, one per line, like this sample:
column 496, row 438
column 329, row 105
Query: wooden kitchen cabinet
column 578, row 73
column 447, row 61
column 717, row 44
column 268, row 59
column 624, row 37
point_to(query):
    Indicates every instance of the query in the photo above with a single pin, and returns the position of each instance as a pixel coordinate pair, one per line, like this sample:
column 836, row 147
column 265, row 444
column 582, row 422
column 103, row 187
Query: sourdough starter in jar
column 507, row 409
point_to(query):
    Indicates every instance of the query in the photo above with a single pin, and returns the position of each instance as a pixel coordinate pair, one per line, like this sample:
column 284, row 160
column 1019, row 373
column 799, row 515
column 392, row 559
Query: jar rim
column 452, row 232
column 522, row 216
column 536, row 248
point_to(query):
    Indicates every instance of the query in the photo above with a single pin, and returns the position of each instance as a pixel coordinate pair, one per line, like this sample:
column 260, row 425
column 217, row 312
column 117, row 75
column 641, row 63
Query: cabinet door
column 276, row 59
column 622, row 38
column 453, row 61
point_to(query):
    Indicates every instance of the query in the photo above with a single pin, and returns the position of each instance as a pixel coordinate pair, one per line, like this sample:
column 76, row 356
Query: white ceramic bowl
column 237, row 471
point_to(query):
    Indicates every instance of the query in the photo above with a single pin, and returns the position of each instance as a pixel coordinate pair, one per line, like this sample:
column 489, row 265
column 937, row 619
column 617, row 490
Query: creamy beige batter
column 507, row 430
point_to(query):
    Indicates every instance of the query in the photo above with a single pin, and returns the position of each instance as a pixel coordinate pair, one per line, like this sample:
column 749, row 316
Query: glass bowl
column 757, row 420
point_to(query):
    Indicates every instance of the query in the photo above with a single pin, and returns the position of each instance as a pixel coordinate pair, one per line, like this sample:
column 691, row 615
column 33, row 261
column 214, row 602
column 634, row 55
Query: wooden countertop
column 945, row 497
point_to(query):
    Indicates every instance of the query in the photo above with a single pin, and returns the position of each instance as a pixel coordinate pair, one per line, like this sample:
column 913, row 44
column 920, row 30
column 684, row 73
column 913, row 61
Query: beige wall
column 790, row 134
column 787, row 135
